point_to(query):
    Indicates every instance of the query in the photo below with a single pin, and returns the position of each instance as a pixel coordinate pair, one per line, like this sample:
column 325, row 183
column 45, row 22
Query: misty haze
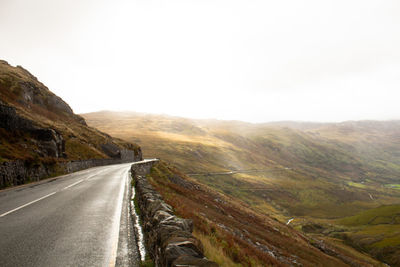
column 199, row 133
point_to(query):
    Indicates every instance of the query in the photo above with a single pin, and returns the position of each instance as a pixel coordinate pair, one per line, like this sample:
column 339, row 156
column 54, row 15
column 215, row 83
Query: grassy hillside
column 377, row 231
column 234, row 235
column 303, row 171
column 38, row 108
column 312, row 172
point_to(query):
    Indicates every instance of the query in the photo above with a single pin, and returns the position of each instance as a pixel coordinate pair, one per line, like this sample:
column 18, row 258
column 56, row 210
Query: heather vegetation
column 319, row 175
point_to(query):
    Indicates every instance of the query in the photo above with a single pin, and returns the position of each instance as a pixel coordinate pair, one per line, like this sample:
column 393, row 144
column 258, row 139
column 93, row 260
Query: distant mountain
column 351, row 151
column 315, row 173
column 39, row 131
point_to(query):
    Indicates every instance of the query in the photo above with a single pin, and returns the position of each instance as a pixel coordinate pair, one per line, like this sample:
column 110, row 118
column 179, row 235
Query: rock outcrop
column 50, row 143
column 11, row 121
column 40, row 136
column 114, row 151
column 169, row 238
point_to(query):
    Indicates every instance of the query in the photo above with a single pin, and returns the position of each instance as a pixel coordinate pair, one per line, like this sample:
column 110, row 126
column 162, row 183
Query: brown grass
column 226, row 225
column 82, row 142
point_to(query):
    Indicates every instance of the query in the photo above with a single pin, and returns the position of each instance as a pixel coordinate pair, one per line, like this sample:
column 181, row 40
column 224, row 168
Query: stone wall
column 50, row 149
column 19, row 172
column 169, row 239
column 73, row 166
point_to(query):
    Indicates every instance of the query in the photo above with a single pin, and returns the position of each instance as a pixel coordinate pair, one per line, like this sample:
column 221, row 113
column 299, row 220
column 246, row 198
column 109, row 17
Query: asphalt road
column 80, row 219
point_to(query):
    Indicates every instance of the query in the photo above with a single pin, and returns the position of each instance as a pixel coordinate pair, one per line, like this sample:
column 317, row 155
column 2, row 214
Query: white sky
column 227, row 59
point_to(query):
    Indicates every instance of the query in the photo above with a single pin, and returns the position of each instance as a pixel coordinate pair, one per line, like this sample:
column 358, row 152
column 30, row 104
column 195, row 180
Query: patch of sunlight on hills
column 318, row 173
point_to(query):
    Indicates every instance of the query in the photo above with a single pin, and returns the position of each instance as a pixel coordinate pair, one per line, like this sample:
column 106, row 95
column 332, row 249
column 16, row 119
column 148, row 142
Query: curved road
column 79, row 219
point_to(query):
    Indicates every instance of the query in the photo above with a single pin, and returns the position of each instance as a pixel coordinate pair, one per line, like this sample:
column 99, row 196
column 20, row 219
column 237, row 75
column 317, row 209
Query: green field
column 394, row 186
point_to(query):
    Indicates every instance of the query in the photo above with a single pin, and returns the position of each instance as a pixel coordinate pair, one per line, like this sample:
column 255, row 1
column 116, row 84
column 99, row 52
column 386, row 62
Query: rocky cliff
column 40, row 136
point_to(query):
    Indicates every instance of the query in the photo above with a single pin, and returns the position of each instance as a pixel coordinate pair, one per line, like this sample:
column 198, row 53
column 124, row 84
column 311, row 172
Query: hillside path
column 79, row 219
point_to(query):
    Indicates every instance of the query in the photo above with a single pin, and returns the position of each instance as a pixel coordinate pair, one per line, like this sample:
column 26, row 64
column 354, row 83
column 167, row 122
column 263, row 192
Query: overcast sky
column 228, row 59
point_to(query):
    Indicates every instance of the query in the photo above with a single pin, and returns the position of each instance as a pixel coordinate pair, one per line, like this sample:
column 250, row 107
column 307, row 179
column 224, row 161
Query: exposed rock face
column 169, row 239
column 32, row 94
column 50, row 142
column 126, row 154
column 11, row 121
column 332, row 252
column 21, row 86
column 36, row 126
column 113, row 151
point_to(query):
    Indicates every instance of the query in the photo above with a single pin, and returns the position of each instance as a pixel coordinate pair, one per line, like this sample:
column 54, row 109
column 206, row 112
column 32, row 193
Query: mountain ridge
column 317, row 175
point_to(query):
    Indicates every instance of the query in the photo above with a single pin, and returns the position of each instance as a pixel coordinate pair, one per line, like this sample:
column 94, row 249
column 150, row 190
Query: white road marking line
column 71, row 185
column 117, row 222
column 87, row 179
column 36, row 200
column 96, row 174
column 27, row 204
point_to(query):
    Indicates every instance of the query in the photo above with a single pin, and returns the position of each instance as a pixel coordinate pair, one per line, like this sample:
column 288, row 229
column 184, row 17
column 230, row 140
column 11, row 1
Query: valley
column 319, row 175
column 200, row 133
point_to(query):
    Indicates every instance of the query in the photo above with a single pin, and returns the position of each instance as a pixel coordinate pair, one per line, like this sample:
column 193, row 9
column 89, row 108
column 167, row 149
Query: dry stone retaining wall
column 19, row 172
column 169, row 239
column 51, row 145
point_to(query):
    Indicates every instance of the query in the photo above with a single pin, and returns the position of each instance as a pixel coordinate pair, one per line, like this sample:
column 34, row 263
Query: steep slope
column 312, row 172
column 39, row 131
column 234, row 235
